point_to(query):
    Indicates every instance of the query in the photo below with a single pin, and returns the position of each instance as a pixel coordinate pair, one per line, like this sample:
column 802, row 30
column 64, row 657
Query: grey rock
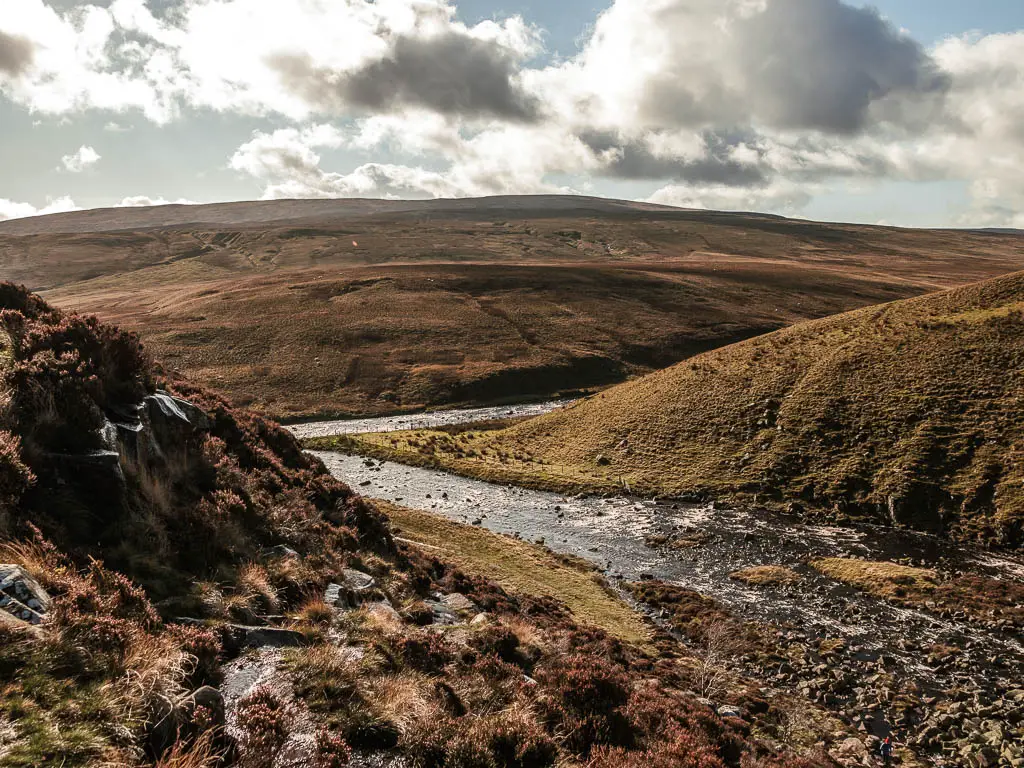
column 459, row 603
column 442, row 614
column 21, row 595
column 241, row 636
column 166, row 409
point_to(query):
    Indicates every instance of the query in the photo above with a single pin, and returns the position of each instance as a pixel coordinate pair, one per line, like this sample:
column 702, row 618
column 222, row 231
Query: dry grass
column 998, row 602
column 896, row 412
column 766, row 575
column 521, row 567
column 460, row 308
column 882, row 579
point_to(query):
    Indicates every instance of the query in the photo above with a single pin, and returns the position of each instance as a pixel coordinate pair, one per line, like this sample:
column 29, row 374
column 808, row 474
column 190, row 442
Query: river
column 614, row 534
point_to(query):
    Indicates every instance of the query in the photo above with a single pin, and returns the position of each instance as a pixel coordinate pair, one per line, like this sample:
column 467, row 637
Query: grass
column 297, row 322
column 905, row 413
column 524, row 568
column 766, row 575
column 997, row 602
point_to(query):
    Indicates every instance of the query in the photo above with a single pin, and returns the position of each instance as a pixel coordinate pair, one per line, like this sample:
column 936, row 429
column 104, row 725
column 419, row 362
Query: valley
column 876, row 665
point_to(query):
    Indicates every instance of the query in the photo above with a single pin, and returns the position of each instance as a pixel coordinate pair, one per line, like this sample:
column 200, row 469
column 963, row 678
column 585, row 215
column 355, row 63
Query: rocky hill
column 907, row 413
column 180, row 586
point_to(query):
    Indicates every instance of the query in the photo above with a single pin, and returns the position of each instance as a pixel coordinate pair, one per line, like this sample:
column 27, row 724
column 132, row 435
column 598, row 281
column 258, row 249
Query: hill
column 907, row 413
column 306, row 308
column 182, row 587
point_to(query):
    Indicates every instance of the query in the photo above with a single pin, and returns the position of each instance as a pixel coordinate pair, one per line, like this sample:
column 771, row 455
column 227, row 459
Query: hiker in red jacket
column 886, row 750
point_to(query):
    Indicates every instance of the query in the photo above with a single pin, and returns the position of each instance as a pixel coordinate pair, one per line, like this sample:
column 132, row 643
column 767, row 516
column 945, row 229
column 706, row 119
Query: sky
column 903, row 112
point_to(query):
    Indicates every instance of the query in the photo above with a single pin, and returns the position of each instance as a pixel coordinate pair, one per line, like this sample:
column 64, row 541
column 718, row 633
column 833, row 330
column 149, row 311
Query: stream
column 881, row 639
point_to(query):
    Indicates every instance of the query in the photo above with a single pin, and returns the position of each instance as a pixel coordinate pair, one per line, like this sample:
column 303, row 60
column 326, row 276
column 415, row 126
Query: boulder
column 355, row 588
column 239, row 636
column 459, row 603
column 21, row 595
column 166, row 409
column 13, row 624
column 441, row 613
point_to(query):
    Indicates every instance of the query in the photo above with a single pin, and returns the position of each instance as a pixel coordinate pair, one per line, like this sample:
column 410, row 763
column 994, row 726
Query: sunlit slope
column 910, row 411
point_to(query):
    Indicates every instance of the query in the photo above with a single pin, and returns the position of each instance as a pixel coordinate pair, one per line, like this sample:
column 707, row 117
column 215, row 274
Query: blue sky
column 900, row 111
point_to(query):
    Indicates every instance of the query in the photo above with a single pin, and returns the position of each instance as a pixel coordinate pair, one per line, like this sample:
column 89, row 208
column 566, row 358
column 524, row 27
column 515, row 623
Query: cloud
column 731, row 102
column 782, row 197
column 142, row 201
column 12, row 210
column 453, row 74
column 16, row 54
column 84, row 158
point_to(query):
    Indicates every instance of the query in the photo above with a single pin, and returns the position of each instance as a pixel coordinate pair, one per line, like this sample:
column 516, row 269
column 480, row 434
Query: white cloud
column 12, row 210
column 735, row 103
column 143, row 201
column 85, row 157
column 780, row 197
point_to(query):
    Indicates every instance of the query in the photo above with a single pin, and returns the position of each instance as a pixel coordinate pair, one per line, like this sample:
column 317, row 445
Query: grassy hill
column 300, row 308
column 909, row 413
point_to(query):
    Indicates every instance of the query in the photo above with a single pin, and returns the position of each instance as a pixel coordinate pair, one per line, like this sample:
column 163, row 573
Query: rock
column 14, row 624
column 459, row 603
column 441, row 614
column 165, row 410
column 356, row 588
column 21, row 595
column 603, row 461
column 480, row 619
column 729, row 711
column 281, row 551
column 239, row 636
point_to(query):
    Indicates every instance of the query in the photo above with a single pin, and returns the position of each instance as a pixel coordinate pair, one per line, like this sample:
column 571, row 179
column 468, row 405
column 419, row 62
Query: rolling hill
column 908, row 413
column 306, row 308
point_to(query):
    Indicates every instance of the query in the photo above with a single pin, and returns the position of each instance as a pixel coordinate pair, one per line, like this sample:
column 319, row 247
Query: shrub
column 583, row 702
column 264, row 721
column 332, row 751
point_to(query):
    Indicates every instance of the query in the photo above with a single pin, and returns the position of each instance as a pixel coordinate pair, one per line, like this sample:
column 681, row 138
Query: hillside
column 182, row 587
column 907, row 413
column 305, row 308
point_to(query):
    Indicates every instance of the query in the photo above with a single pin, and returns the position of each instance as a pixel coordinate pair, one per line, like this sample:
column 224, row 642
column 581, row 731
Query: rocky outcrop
column 21, row 596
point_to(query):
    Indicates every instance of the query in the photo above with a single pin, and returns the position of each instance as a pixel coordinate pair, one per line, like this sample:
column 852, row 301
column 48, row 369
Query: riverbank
column 876, row 666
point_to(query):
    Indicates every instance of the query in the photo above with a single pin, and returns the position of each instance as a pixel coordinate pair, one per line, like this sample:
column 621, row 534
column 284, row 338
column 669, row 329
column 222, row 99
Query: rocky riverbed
column 950, row 689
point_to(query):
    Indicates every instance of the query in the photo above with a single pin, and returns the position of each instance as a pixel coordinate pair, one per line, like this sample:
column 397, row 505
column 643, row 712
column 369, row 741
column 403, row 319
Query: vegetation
column 905, row 413
column 998, row 602
column 155, row 554
column 521, row 567
column 462, row 307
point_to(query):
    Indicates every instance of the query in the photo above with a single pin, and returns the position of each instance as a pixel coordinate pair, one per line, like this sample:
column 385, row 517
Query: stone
column 14, row 624
column 21, row 595
column 239, row 636
column 166, row 409
column 729, row 711
column 441, row 613
column 459, row 603
column 281, row 551
column 355, row 588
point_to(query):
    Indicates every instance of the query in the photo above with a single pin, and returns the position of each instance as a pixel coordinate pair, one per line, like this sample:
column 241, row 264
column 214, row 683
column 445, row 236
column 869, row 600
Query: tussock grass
column 522, row 567
column 879, row 578
column 766, row 575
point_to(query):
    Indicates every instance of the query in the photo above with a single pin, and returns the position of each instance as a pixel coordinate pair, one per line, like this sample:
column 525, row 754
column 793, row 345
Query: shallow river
column 427, row 420
column 613, row 532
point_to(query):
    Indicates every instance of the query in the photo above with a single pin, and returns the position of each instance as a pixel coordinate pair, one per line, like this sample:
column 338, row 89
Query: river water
column 426, row 420
column 614, row 533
